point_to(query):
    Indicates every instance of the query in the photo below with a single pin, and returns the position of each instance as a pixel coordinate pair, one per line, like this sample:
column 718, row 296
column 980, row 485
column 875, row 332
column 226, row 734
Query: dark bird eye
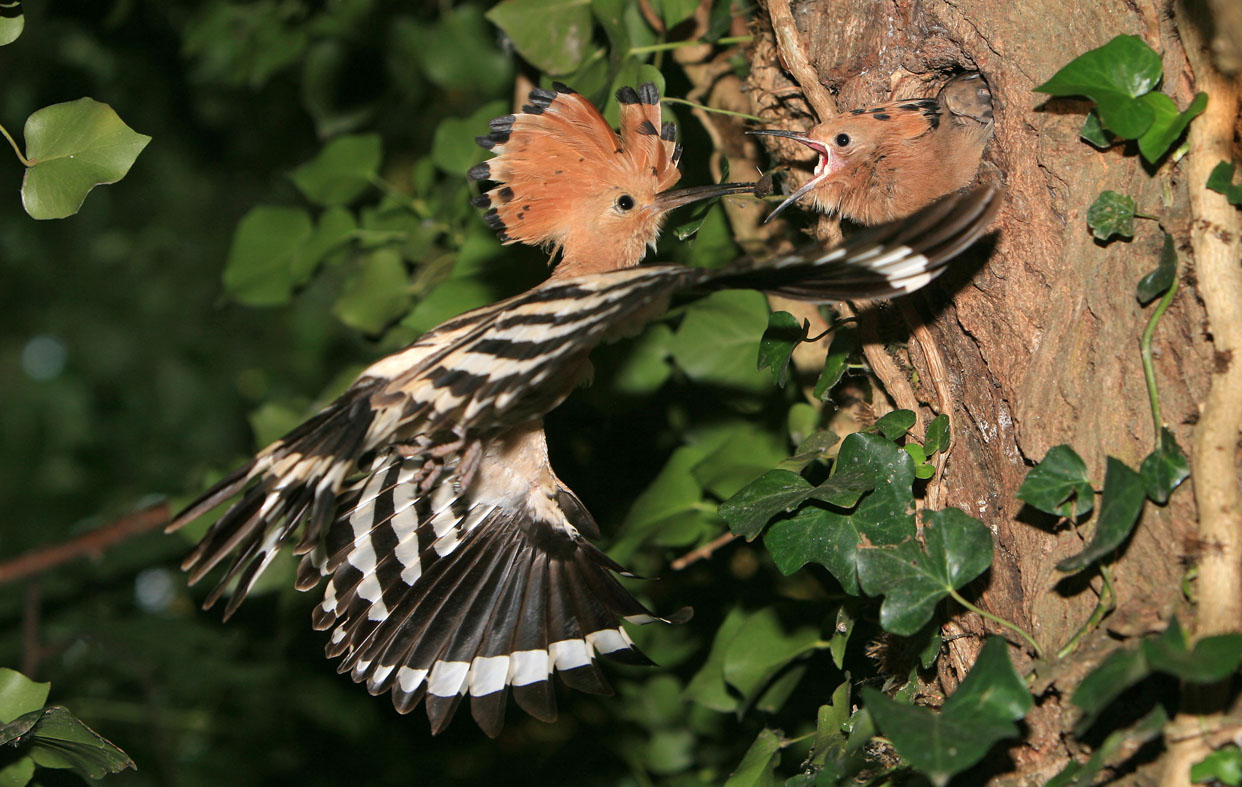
column 625, row 202
column 842, row 140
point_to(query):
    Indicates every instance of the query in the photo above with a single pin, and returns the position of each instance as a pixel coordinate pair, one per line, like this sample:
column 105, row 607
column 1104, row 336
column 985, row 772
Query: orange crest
column 558, row 159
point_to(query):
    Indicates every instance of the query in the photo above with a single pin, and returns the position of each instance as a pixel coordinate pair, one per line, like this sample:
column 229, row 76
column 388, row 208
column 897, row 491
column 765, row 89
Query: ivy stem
column 742, row 115
column 1039, row 652
column 1149, row 373
column 1105, row 604
column 664, row 47
column 25, row 161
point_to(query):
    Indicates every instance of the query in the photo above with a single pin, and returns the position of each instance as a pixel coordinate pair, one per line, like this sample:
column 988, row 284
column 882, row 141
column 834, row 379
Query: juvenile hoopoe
column 457, row 562
column 884, row 163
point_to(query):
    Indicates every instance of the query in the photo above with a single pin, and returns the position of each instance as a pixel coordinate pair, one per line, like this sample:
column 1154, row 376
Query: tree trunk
column 1039, row 332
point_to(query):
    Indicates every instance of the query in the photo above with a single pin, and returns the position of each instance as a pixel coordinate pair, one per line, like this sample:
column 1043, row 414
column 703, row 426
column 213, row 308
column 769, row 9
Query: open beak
column 677, row 197
column 822, row 170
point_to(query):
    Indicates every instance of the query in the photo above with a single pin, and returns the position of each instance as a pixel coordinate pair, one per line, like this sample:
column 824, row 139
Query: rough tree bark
column 1039, row 336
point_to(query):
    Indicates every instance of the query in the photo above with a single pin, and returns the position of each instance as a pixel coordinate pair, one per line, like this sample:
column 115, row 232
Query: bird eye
column 842, row 140
column 625, row 202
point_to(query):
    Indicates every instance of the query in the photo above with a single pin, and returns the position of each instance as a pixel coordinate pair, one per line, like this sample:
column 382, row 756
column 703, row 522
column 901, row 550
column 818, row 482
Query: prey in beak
column 823, row 168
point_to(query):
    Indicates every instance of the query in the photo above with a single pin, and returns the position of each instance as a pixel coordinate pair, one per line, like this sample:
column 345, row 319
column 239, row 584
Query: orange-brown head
column 884, row 163
column 565, row 180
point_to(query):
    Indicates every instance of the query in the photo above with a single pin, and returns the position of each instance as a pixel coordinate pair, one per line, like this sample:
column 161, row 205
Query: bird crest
column 564, row 179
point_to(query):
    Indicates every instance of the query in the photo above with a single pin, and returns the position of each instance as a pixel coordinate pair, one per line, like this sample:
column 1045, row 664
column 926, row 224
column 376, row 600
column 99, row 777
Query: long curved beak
column 821, row 171
column 677, row 197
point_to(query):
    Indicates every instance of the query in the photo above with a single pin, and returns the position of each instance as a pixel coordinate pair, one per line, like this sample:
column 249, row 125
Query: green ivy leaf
column 707, row 687
column 644, row 366
column 1221, row 179
column 777, row 344
column 922, row 469
column 913, row 581
column 673, row 497
column 19, row 694
column 74, row 147
column 844, row 344
column 457, row 53
column 778, row 491
column 993, row 690
column 758, row 767
column 453, row 148
column 1058, row 485
column 56, row 739
column 377, row 294
column 1120, row 742
column 17, row 773
column 344, row 169
column 938, row 435
column 894, row 424
column 716, row 339
column 12, row 22
column 832, row 538
column 1095, row 133
column 1120, row 504
column 1113, row 76
column 261, row 266
column 761, row 649
column 1164, row 469
column 1111, row 214
column 1212, row 659
column 1168, row 124
column 1158, row 282
column 553, row 35
column 1121, row 670
column 1223, row 765
column 674, row 12
column 935, row 744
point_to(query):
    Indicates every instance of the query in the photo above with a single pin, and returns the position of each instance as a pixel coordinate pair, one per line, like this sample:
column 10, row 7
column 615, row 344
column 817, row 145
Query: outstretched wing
column 459, row 563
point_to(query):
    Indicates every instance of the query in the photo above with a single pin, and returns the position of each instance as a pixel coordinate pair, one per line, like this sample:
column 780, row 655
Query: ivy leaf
column 453, row 149
column 716, row 337
column 19, row 695
column 777, row 344
column 758, row 766
column 1223, row 765
column 935, row 744
column 56, row 739
column 1221, row 179
column 1095, row 133
column 922, row 468
column 772, row 493
column 1120, row 504
column 832, row 538
column 895, row 424
column 913, row 581
column 992, row 690
column 844, row 344
column 1058, row 485
column 1127, row 740
column 761, row 649
column 12, row 22
column 672, row 498
column 377, row 294
column 1158, row 282
column 1113, row 76
column 1121, row 670
column 260, row 270
column 938, row 435
column 553, row 35
column 707, row 687
column 1111, row 214
column 74, row 147
column 342, row 171
column 1212, row 659
column 456, row 53
column 1164, row 469
column 1168, row 123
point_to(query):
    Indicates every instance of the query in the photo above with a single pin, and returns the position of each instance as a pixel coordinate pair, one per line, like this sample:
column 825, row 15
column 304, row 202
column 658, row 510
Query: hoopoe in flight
column 884, row 163
column 457, row 563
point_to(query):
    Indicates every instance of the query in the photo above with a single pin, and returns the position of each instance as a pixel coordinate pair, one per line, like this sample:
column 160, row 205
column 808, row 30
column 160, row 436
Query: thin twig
column 89, row 544
column 702, row 552
column 794, row 57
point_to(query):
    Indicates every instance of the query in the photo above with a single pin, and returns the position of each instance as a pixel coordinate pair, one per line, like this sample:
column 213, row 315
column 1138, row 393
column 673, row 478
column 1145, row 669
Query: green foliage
column 777, row 344
column 344, row 169
column 1223, row 765
column 1156, row 283
column 553, row 35
column 1112, row 750
column 1111, row 214
column 1220, row 180
column 12, row 22
column 49, row 736
column 1120, row 78
column 980, row 713
column 1120, row 504
column 1059, row 485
